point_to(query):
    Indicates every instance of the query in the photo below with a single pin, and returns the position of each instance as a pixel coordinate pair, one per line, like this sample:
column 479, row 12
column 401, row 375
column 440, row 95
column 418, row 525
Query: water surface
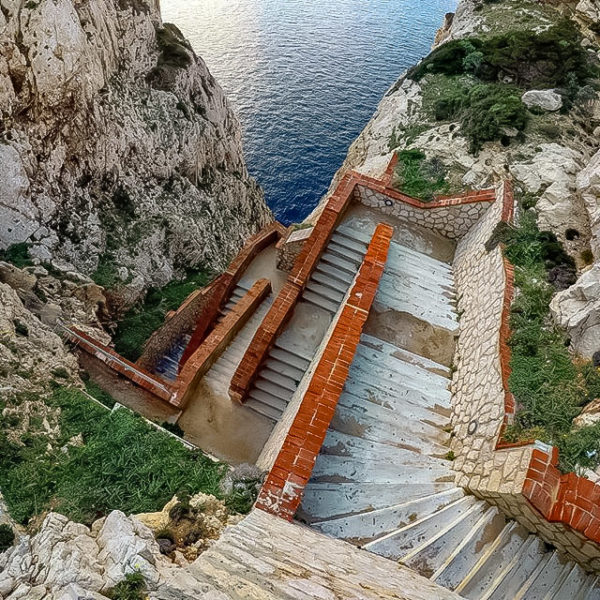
column 305, row 76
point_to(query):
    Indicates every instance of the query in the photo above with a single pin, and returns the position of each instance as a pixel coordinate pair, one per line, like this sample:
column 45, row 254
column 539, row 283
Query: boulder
column 588, row 186
column 548, row 100
column 577, row 311
column 589, row 415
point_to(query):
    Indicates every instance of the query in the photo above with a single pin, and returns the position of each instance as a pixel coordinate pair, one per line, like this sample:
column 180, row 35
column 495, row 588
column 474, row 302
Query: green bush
column 532, row 59
column 141, row 321
column 18, row 255
column 106, row 274
column 420, row 177
column 7, row 537
column 124, row 464
column 131, row 588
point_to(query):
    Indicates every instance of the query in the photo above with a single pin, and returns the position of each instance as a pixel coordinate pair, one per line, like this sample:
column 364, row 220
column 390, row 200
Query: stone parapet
column 282, row 491
column 522, row 478
column 290, row 247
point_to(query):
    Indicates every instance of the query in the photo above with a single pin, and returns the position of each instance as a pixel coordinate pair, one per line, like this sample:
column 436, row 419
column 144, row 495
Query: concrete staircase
column 293, row 352
column 384, row 481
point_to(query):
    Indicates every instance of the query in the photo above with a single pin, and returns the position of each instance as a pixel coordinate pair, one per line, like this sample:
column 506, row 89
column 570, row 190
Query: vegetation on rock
column 131, row 588
column 7, row 537
column 97, row 461
column 420, row 177
column 549, row 386
column 17, row 254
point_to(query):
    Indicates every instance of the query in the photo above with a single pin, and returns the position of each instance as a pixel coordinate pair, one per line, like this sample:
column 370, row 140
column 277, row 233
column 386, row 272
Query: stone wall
column 288, row 249
column 482, row 404
column 451, row 216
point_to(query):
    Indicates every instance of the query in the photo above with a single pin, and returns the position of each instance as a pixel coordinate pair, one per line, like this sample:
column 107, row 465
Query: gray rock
column 577, row 311
column 547, row 100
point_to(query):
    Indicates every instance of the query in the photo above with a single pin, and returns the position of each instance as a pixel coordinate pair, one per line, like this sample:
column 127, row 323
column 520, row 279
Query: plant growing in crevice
column 420, row 177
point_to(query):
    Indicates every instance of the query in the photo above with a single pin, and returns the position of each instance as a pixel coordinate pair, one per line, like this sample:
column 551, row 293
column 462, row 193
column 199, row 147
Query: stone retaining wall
column 521, row 479
column 282, row 491
column 289, row 248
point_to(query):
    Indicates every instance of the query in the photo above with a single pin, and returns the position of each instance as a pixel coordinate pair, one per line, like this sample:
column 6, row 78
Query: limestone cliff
column 553, row 160
column 119, row 151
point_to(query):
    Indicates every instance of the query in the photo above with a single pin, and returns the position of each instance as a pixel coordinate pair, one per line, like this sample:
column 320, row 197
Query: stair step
column 432, row 554
column 368, row 525
column 594, row 592
column 352, row 243
column 335, row 284
column 346, row 253
column 285, row 344
column 268, row 399
column 522, row 566
column 229, row 305
column 285, row 369
column 493, row 561
column 460, row 563
column 339, row 263
column 571, row 584
column 331, row 271
column 319, row 301
column 263, row 409
column 326, row 292
column 273, row 389
column 278, row 379
column 400, row 542
column 289, row 358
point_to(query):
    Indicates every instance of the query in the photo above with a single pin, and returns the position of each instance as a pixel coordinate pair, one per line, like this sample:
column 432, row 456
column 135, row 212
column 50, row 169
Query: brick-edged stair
column 289, row 359
column 383, row 479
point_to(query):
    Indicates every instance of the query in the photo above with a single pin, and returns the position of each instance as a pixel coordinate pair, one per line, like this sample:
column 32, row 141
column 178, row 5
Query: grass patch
column 17, row 255
column 106, row 274
column 549, row 387
column 131, row 588
column 420, row 177
column 124, row 464
column 141, row 321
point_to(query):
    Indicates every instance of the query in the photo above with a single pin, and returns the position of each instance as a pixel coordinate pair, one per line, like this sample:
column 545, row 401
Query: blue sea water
column 305, row 76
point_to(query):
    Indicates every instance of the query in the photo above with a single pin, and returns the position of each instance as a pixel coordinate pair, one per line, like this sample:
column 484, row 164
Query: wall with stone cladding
column 282, row 490
column 482, row 404
column 289, row 248
column 451, row 216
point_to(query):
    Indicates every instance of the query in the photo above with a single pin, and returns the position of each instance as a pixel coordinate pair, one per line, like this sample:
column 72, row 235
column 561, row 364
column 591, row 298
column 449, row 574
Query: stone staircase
column 384, row 480
column 294, row 350
column 168, row 366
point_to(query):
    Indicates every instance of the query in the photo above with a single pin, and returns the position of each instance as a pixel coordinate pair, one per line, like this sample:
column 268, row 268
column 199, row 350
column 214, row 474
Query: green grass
column 420, row 177
column 131, row 588
column 106, row 273
column 550, row 388
column 141, row 321
column 18, row 255
column 124, row 464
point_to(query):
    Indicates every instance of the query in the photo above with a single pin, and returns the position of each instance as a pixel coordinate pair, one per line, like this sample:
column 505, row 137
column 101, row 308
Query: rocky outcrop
column 119, row 151
column 545, row 99
column 31, row 353
column 577, row 311
column 66, row 561
column 588, row 185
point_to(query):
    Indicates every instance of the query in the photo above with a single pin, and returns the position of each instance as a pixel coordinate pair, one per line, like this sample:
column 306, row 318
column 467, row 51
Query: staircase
column 168, row 366
column 384, row 481
column 292, row 354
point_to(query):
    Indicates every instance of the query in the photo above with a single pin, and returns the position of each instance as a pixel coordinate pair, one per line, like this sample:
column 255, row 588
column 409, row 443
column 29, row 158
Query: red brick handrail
column 144, row 379
column 282, row 491
column 223, row 286
column 219, row 338
column 559, row 497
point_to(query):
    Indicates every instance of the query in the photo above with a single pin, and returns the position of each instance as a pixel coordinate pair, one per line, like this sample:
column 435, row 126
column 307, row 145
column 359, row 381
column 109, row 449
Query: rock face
column 588, row 184
column 545, row 99
column 577, row 310
column 119, row 151
column 68, row 561
column 31, row 354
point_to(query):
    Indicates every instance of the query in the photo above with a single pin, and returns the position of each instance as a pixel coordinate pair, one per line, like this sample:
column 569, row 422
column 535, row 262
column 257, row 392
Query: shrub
column 548, row 386
column 106, row 274
column 124, row 464
column 131, row 588
column 533, row 59
column 7, row 537
column 17, row 254
column 420, row 177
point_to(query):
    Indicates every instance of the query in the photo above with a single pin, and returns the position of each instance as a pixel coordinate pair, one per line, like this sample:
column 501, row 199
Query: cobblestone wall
column 480, row 397
column 450, row 217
